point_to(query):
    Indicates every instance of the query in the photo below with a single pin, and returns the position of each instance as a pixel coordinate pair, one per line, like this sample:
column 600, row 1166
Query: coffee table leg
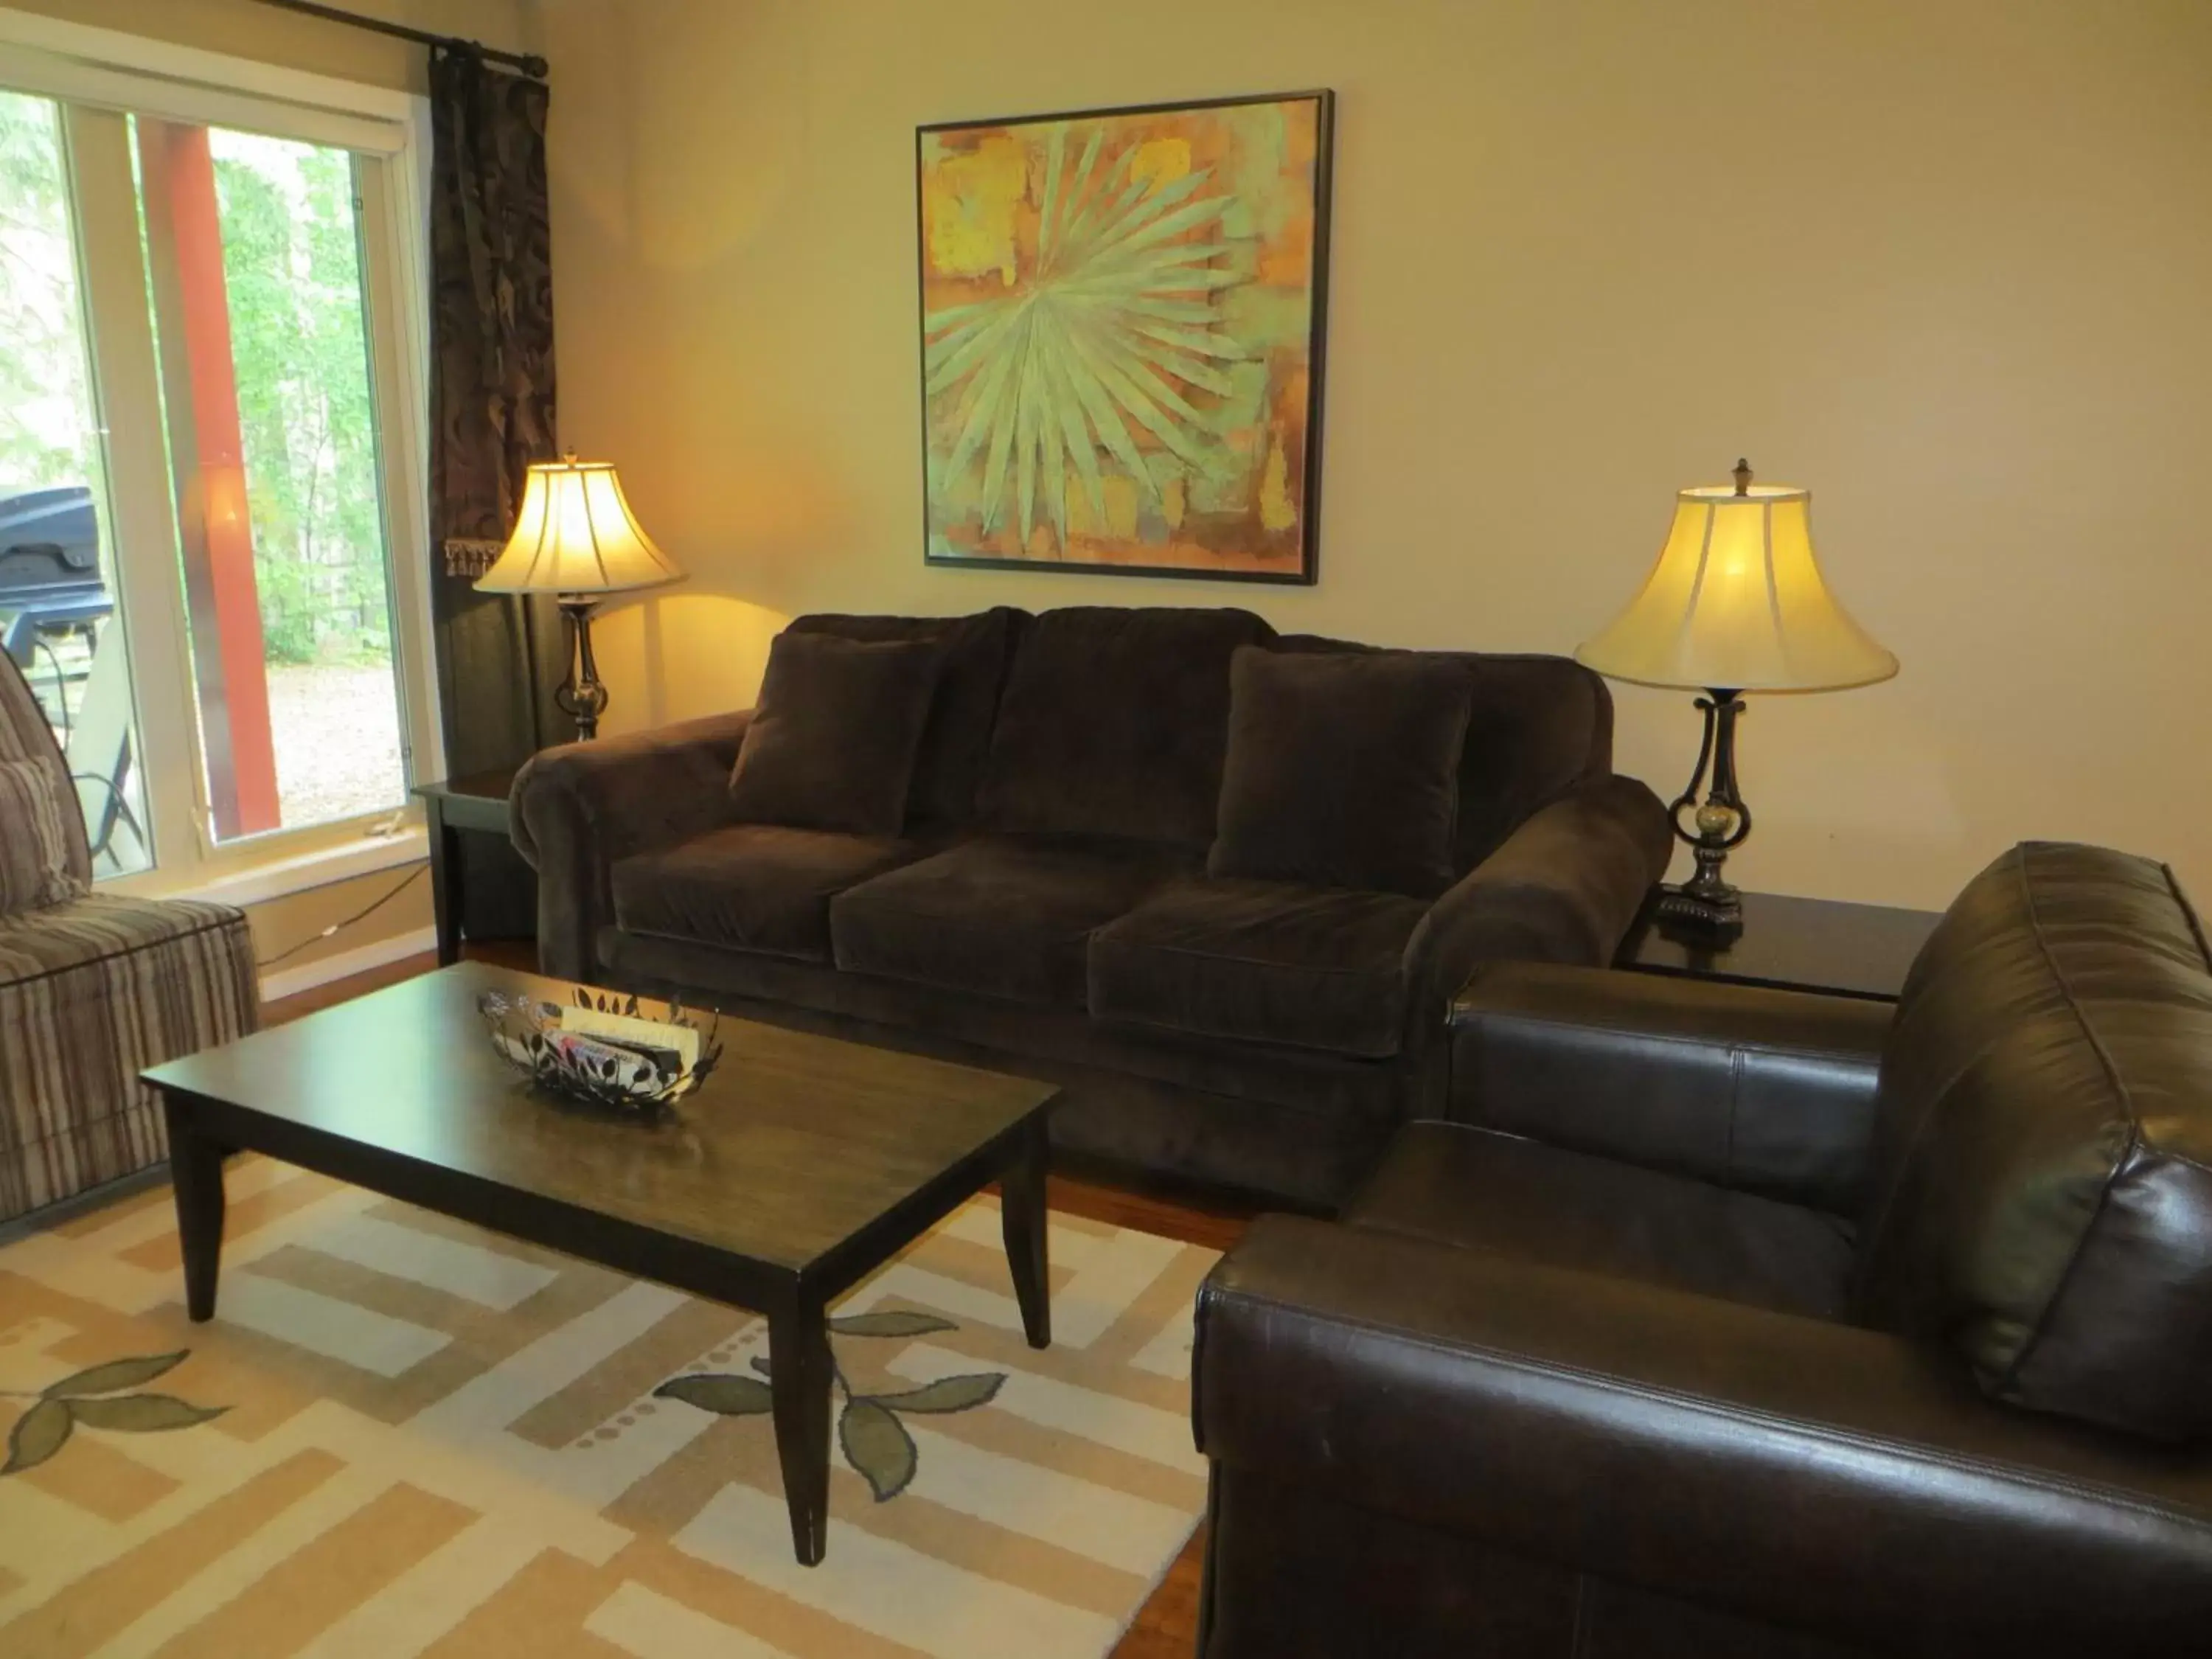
column 196, row 1174
column 800, row 1379
column 1022, row 1206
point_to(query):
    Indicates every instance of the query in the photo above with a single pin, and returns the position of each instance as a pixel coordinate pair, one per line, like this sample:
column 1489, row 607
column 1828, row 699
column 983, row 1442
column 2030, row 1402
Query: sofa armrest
column 1822, row 1476
column 1564, row 887
column 577, row 809
column 1767, row 1091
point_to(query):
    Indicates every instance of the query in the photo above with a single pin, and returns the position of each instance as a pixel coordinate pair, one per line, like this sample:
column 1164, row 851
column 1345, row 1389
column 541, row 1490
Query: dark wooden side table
column 1792, row 945
column 476, row 805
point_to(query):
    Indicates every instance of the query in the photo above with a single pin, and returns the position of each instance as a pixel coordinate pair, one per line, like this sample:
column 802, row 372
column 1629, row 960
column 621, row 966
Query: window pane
column 259, row 291
column 59, row 590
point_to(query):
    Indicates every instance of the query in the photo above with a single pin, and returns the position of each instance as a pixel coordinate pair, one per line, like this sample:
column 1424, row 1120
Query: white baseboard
column 290, row 981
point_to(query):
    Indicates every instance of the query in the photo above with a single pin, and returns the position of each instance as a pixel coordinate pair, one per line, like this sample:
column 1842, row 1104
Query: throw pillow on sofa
column 834, row 735
column 34, row 845
column 1342, row 770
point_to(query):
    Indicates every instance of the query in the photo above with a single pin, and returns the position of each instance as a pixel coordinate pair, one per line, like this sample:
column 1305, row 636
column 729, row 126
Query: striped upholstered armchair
column 93, row 986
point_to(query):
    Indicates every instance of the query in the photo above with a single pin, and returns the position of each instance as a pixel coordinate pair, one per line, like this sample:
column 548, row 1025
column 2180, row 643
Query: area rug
column 402, row 1435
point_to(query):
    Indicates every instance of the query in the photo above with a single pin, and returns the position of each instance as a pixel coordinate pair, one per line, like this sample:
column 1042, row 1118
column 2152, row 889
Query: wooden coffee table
column 800, row 1167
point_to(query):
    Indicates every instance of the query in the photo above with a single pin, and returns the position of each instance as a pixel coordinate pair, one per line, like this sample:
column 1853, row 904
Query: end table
column 476, row 804
column 1860, row 950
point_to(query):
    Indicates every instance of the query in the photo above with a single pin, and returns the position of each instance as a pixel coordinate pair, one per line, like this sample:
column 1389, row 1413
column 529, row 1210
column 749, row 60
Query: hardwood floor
column 1166, row 1627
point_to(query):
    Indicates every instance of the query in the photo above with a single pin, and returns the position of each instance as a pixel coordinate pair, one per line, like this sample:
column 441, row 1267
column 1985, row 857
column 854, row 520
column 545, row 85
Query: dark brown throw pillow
column 1343, row 770
column 835, row 734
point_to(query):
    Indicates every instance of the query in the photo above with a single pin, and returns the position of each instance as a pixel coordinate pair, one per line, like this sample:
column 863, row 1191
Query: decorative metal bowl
column 613, row 1077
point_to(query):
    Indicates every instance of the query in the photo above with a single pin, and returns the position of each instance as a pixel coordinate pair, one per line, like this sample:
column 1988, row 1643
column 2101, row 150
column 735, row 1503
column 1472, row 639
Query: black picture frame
column 1308, row 571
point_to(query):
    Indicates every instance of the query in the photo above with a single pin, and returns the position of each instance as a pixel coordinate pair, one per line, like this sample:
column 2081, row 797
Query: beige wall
column 295, row 919
column 1945, row 264
column 246, row 29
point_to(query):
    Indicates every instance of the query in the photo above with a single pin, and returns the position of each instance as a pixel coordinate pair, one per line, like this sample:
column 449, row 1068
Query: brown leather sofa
column 1735, row 1322
column 1046, row 908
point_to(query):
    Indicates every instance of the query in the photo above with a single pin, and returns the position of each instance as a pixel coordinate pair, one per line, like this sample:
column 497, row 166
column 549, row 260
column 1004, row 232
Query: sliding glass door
column 205, row 398
column 59, row 584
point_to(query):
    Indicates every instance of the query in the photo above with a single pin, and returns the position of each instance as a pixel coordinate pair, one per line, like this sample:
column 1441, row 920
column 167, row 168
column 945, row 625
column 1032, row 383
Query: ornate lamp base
column 581, row 697
column 1706, row 906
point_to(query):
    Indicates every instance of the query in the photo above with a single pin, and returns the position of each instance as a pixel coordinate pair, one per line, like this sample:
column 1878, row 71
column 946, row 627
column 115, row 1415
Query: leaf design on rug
column 115, row 1376
column 869, row 1432
column 877, row 1444
column 140, row 1414
column 891, row 1323
column 962, row 1393
column 38, row 1433
column 95, row 1398
column 718, row 1392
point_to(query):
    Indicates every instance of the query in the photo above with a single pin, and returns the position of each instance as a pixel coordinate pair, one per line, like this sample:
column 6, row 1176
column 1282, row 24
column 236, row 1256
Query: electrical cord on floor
column 405, row 883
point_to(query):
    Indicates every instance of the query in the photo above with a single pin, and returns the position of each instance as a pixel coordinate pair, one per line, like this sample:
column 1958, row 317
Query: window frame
column 98, row 76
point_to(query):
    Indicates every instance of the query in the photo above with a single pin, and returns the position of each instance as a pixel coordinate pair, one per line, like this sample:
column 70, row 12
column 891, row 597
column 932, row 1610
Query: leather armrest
column 1763, row 1091
column 1822, row 1476
column 577, row 809
column 1563, row 887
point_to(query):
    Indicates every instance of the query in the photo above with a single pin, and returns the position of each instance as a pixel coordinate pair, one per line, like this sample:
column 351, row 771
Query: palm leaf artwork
column 1099, row 349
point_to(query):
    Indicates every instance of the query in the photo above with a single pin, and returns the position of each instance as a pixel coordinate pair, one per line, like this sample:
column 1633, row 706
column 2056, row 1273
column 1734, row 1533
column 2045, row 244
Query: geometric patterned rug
column 402, row 1435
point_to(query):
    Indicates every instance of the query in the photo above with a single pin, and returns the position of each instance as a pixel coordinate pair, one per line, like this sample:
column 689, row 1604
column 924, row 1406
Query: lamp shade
column 576, row 534
column 1736, row 602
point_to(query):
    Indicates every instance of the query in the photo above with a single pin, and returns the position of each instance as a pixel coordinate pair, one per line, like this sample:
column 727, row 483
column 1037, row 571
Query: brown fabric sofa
column 1047, row 911
column 1737, row 1323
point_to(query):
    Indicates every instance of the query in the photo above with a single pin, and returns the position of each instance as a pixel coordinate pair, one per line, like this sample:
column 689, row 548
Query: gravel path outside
column 338, row 742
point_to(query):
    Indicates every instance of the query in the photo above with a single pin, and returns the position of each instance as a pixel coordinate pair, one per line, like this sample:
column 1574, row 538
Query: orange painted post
column 229, row 662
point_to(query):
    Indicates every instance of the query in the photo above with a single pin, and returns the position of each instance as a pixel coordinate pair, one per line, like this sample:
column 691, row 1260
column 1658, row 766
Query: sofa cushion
column 1480, row 1190
column 45, row 858
column 2044, row 1142
column 35, row 818
column 833, row 742
column 1342, row 769
column 1536, row 727
column 956, row 741
column 762, row 887
column 1113, row 723
column 1001, row 916
column 1260, row 962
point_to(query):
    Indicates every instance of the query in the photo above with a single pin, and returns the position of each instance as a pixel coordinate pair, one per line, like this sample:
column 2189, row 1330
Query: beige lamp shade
column 576, row 534
column 1736, row 602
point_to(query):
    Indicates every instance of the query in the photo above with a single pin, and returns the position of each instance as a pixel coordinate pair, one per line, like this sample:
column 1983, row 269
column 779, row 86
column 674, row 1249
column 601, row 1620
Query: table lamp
column 1735, row 603
column 577, row 539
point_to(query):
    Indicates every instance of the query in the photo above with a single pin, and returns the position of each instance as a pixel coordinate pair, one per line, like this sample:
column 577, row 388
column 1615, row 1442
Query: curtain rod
column 528, row 63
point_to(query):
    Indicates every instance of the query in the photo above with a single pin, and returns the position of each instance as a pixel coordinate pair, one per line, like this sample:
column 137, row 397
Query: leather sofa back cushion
column 1342, row 769
column 1536, row 727
column 2044, row 1143
column 1113, row 723
column 833, row 742
column 956, row 744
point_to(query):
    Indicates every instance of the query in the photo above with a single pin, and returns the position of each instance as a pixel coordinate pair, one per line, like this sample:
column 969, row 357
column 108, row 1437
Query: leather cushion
column 1478, row 1190
column 1115, row 722
column 752, row 887
column 1342, row 769
column 955, row 742
column 833, row 742
column 1260, row 962
column 2044, row 1142
column 1001, row 916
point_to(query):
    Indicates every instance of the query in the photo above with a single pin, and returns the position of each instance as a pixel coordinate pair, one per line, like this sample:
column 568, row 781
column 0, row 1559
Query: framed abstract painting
column 1122, row 314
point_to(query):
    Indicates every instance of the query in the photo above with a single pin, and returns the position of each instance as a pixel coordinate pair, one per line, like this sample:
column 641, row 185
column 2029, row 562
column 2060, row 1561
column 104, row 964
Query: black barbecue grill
column 49, row 566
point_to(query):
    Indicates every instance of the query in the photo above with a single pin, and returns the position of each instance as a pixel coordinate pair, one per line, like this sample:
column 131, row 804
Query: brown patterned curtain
column 499, row 657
